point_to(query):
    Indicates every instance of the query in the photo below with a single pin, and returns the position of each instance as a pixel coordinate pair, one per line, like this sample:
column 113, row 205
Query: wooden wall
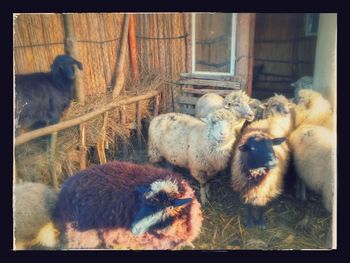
column 287, row 54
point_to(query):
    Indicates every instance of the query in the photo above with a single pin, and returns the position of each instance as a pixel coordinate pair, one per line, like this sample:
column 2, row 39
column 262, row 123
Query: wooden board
column 210, row 77
column 205, row 91
column 212, row 83
column 190, row 111
column 186, row 100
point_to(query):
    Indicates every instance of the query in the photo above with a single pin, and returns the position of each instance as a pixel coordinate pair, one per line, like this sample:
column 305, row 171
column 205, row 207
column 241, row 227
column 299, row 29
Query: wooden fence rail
column 79, row 120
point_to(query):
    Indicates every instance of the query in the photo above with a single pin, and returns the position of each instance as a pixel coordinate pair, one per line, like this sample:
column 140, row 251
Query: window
column 311, row 27
column 213, row 44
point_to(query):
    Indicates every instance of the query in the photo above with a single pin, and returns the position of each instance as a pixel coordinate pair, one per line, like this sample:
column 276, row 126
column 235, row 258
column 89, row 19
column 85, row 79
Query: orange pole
column 133, row 48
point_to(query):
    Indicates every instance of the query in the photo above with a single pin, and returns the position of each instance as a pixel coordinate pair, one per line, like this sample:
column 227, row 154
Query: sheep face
column 258, row 156
column 63, row 66
column 158, row 206
column 277, row 105
column 238, row 102
column 220, row 124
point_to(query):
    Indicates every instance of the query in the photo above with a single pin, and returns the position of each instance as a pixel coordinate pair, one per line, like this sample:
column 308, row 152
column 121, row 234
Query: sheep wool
column 96, row 208
column 313, row 149
column 33, row 207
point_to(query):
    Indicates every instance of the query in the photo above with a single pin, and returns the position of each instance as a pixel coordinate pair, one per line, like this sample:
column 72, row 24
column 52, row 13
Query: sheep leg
column 300, row 190
column 250, row 218
column 261, row 222
column 203, row 191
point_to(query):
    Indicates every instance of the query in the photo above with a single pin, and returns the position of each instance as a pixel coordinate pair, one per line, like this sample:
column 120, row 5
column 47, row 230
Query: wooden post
column 70, row 49
column 250, row 54
column 188, row 43
column 120, row 66
column 138, row 123
column 83, row 148
column 156, row 105
column 123, row 122
column 100, row 145
column 52, row 159
column 133, row 48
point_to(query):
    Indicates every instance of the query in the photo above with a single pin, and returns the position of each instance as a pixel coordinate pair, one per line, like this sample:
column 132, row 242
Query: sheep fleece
column 106, row 197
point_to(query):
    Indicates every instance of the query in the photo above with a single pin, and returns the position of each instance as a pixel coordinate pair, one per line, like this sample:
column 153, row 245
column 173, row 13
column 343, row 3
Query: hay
column 32, row 163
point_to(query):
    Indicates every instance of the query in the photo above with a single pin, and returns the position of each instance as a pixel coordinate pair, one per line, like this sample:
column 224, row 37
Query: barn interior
column 282, row 49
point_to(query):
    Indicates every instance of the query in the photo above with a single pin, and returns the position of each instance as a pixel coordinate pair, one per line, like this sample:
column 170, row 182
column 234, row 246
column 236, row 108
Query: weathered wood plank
column 186, row 100
column 211, row 83
column 205, row 91
column 190, row 111
column 208, row 76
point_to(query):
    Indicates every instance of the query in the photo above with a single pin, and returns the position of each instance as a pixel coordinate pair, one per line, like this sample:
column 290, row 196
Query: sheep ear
column 278, row 141
column 243, row 148
column 226, row 107
column 80, row 66
column 205, row 120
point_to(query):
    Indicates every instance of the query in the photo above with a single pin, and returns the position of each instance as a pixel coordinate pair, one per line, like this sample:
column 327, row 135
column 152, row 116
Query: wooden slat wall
column 274, row 35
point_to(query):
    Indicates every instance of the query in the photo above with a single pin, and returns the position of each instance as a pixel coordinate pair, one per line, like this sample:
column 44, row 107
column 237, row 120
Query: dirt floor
column 290, row 223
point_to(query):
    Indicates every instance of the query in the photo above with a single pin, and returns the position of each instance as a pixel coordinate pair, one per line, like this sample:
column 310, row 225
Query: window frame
column 233, row 49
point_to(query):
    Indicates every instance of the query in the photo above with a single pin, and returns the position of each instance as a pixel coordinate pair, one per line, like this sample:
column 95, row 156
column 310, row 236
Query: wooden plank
column 209, row 77
column 82, row 146
column 138, row 123
column 186, row 100
column 156, row 106
column 211, row 83
column 190, row 111
column 101, row 140
column 123, row 122
column 205, row 91
column 52, row 160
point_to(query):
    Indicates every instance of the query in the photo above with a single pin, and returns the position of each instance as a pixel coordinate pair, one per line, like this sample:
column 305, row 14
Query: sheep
column 33, row 207
column 122, row 205
column 236, row 101
column 313, row 149
column 258, row 166
column 42, row 97
column 312, row 108
column 257, row 108
column 314, row 154
column 305, row 82
column 202, row 146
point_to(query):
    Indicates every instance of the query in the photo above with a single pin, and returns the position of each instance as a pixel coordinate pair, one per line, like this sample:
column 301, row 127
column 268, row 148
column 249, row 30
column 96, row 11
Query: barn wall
column 284, row 49
column 325, row 80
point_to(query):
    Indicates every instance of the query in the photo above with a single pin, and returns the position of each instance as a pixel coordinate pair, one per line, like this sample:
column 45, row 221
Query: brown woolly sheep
column 122, row 205
column 259, row 163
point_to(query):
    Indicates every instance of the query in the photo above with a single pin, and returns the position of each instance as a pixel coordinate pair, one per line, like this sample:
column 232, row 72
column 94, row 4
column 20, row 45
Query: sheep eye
column 214, row 122
column 229, row 104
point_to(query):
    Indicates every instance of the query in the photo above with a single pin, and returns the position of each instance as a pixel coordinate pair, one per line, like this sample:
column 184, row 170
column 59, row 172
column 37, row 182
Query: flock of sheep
column 132, row 206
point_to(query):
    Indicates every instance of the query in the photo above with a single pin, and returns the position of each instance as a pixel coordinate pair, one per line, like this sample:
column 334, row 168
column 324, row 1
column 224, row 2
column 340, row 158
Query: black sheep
column 42, row 97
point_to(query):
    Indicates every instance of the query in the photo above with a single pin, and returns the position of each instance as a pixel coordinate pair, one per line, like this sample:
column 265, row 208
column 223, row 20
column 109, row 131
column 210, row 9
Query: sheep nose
column 250, row 117
column 223, row 134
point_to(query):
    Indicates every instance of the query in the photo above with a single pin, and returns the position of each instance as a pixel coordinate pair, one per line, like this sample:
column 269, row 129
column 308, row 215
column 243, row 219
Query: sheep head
column 62, row 67
column 238, row 102
column 278, row 105
column 220, row 124
column 258, row 156
column 159, row 205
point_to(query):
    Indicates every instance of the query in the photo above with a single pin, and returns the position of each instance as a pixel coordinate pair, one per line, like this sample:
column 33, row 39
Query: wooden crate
column 194, row 86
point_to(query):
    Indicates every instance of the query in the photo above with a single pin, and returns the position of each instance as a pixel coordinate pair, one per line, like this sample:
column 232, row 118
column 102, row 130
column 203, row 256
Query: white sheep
column 33, row 207
column 204, row 147
column 236, row 101
column 313, row 149
column 305, row 82
column 312, row 108
column 260, row 161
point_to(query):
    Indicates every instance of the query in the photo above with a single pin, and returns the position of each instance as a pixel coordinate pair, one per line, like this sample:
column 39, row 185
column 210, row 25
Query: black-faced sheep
column 33, row 208
column 203, row 147
column 260, row 160
column 312, row 108
column 237, row 102
column 42, row 97
column 123, row 205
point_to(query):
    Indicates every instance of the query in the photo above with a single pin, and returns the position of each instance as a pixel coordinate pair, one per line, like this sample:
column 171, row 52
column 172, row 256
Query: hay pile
column 32, row 163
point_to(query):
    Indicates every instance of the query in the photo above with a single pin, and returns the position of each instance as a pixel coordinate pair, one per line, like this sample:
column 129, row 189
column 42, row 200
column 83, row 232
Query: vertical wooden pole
column 156, row 105
column 250, row 53
column 188, row 39
column 101, row 140
column 70, row 49
column 123, row 122
column 133, row 48
column 120, row 66
column 52, row 158
column 138, row 123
